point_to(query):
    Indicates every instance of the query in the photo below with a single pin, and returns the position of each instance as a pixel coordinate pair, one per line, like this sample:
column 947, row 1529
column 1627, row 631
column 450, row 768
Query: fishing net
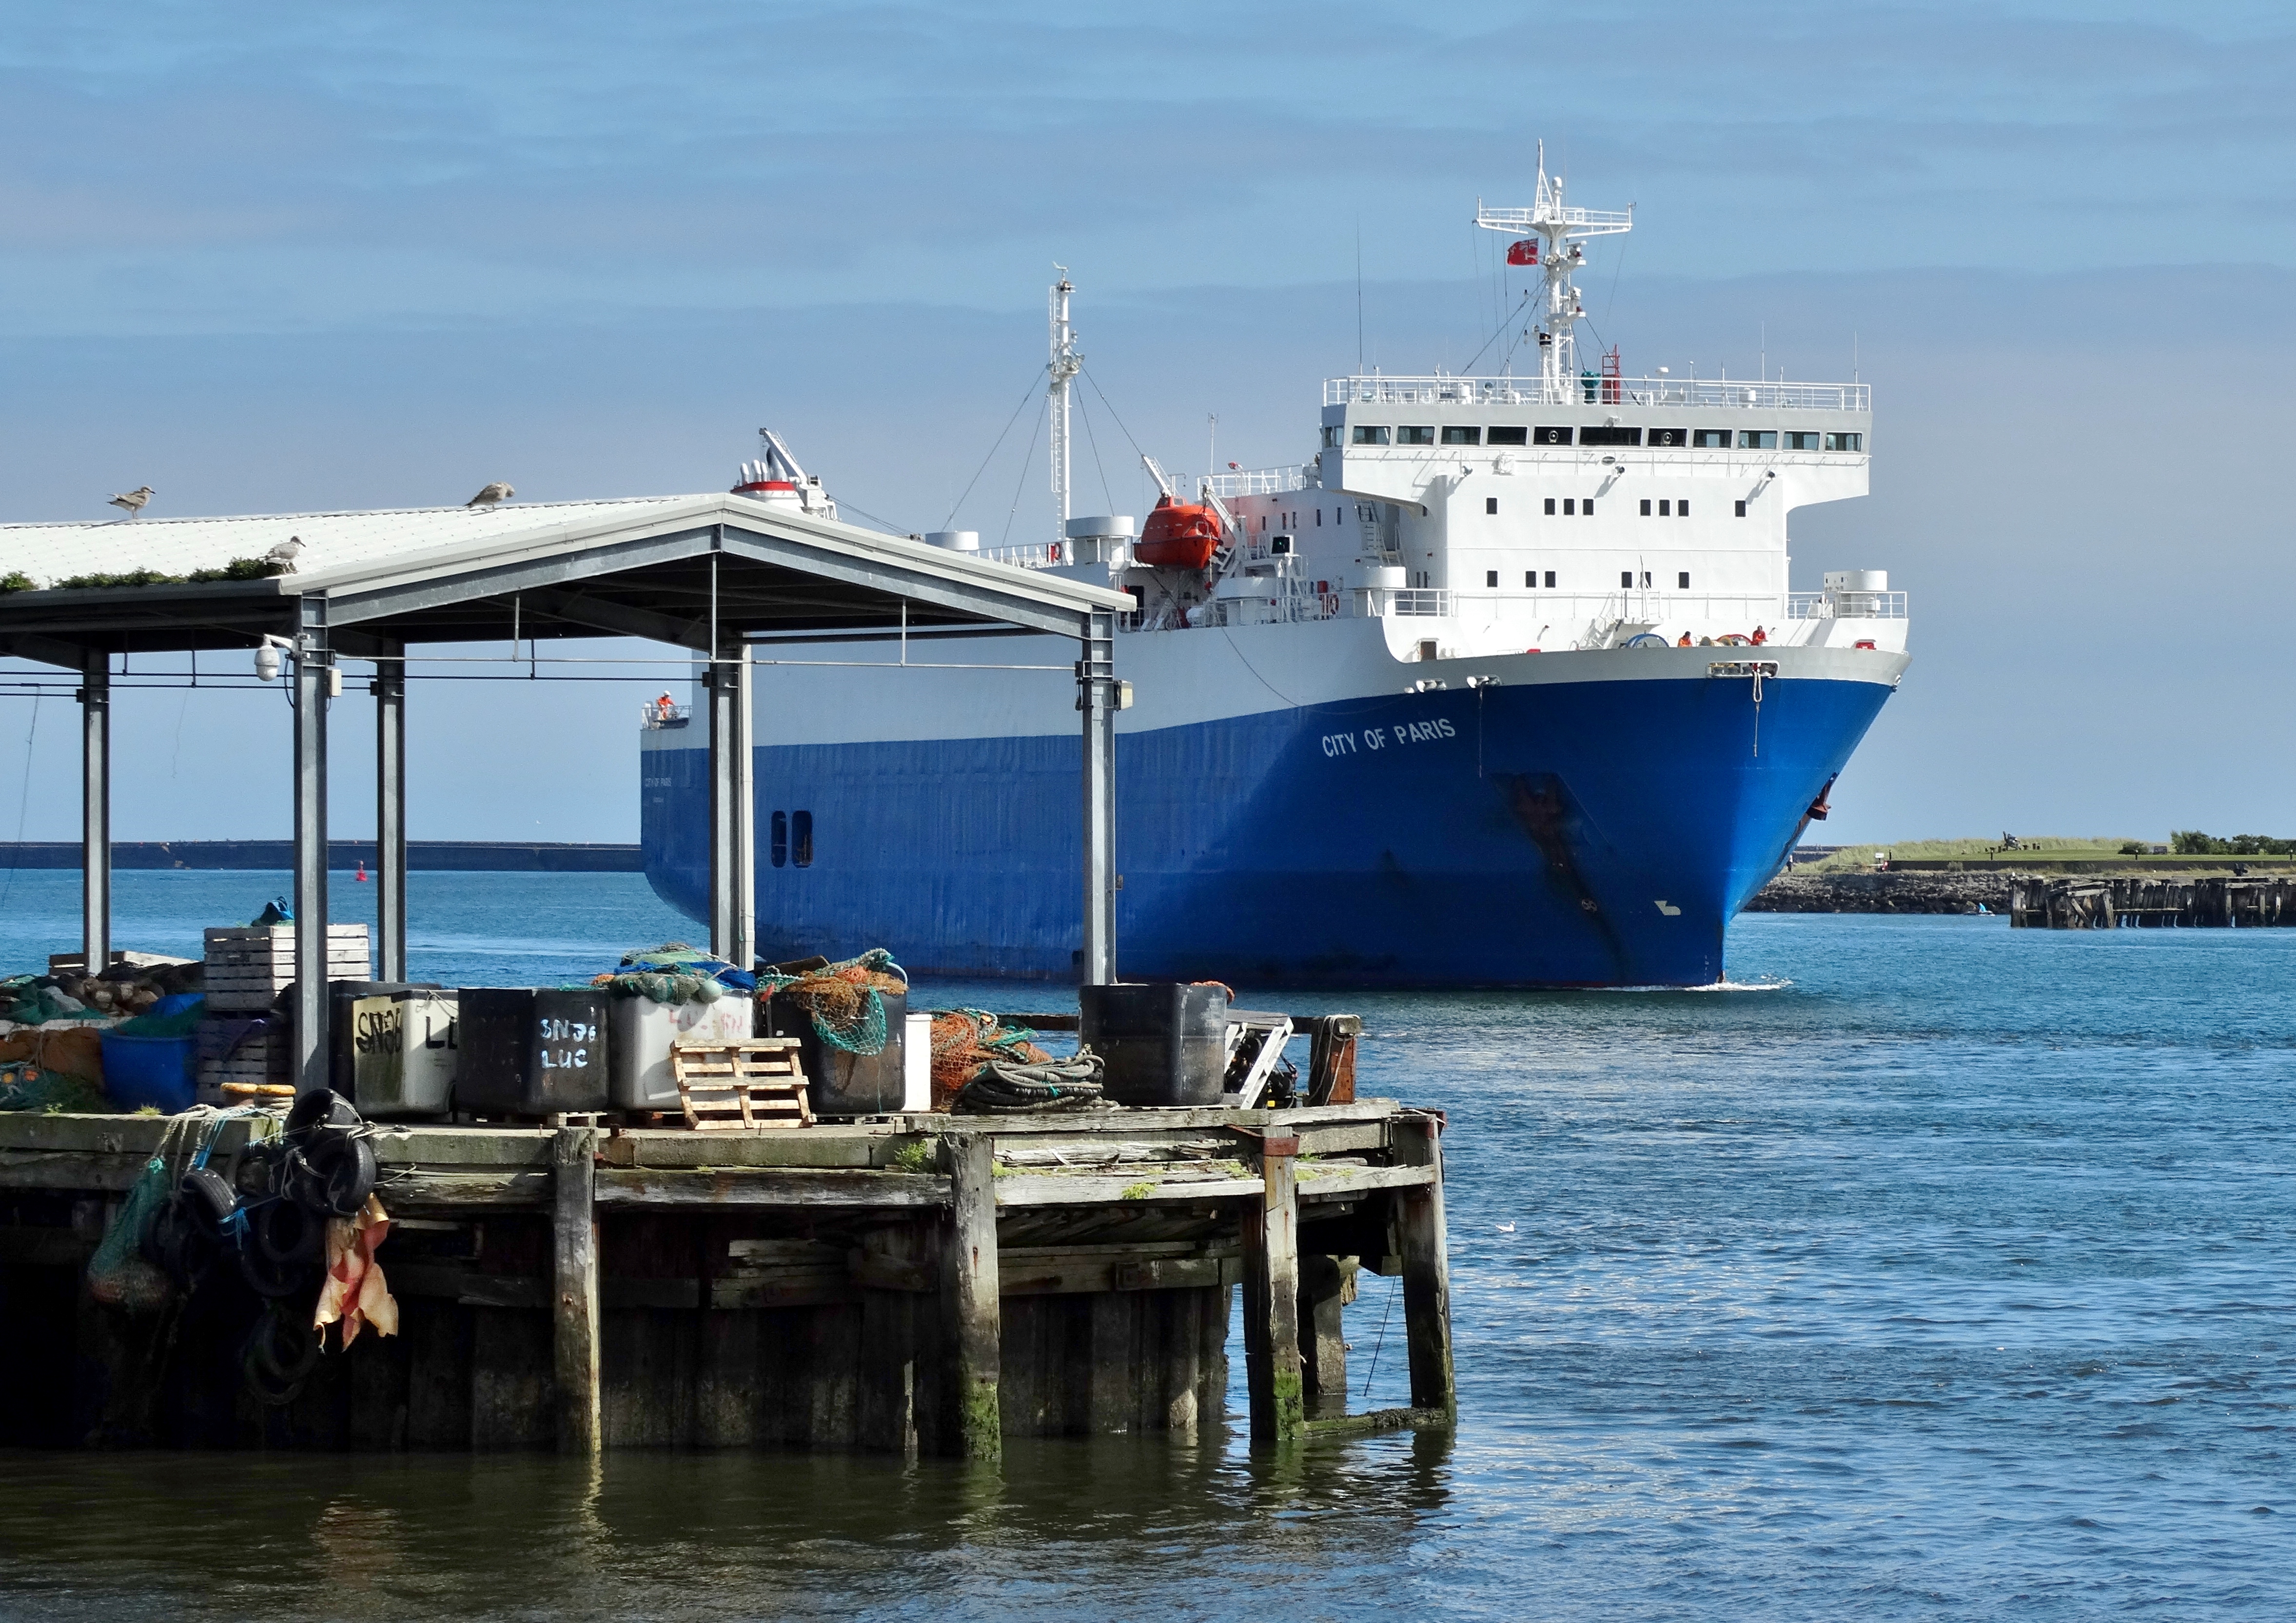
column 670, row 973
column 119, row 1273
column 965, row 1040
column 53, row 1068
column 845, row 1001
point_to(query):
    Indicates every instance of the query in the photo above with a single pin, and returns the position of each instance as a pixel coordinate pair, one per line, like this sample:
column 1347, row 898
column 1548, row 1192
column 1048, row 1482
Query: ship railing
column 654, row 715
column 1257, row 481
column 1845, row 605
column 1702, row 394
column 1052, row 554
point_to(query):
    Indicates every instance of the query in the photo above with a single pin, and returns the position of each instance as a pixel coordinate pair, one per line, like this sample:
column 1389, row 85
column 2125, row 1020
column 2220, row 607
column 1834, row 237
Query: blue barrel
column 155, row 1071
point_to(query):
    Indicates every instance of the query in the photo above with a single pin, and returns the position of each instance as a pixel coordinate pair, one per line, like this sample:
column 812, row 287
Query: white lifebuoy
column 1330, row 604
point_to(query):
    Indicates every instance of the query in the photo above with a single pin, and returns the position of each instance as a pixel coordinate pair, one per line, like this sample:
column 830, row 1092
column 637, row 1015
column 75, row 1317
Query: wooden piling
column 1271, row 1295
column 970, row 1286
column 574, row 1248
column 1418, row 1141
column 1326, row 1285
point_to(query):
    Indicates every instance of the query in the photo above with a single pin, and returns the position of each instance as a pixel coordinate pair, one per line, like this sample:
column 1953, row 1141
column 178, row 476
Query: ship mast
column 1067, row 361
column 1555, row 247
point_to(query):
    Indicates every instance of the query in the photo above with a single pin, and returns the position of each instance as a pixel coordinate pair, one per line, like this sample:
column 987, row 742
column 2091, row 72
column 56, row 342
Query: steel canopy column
column 724, row 821
column 95, row 810
column 1096, row 698
column 313, row 680
column 390, row 810
column 744, row 950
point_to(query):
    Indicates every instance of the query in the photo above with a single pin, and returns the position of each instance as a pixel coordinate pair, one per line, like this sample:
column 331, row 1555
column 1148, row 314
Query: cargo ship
column 1504, row 683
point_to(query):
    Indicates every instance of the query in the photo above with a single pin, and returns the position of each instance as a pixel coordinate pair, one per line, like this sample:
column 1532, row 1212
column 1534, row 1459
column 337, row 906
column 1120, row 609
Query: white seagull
column 131, row 502
column 286, row 552
column 495, row 492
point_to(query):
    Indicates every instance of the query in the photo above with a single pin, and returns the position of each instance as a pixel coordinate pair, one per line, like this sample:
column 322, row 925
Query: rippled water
column 1944, row 1271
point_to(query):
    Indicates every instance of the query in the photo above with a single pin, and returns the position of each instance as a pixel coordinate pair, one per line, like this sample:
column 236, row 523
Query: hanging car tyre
column 334, row 1173
column 287, row 1233
column 320, row 1107
column 209, row 1198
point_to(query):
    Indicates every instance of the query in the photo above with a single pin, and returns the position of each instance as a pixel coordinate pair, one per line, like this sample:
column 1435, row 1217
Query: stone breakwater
column 1885, row 893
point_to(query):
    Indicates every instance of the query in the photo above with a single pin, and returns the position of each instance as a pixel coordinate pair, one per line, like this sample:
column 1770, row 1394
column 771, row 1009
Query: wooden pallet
column 744, row 1087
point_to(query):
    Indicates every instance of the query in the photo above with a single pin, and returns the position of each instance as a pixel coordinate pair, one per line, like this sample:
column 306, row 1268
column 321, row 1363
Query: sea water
column 1931, row 1270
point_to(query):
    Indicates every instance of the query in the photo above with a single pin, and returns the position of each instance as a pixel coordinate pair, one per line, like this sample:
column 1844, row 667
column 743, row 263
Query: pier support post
column 1326, row 1285
column 390, row 810
column 1096, row 697
column 1418, row 1141
column 1271, row 1296
column 574, row 1304
column 744, row 953
column 95, row 810
column 315, row 677
column 733, row 844
column 970, row 1291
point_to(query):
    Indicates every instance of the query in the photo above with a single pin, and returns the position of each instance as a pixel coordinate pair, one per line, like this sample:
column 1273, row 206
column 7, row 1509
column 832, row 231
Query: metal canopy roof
column 670, row 568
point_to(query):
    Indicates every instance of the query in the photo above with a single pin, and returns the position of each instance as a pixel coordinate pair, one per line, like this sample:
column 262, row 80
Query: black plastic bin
column 342, row 1030
column 1164, row 1041
column 531, row 1051
column 838, row 1082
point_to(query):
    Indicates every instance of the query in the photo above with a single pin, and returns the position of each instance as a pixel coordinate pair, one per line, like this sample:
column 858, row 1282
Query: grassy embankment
column 2040, row 851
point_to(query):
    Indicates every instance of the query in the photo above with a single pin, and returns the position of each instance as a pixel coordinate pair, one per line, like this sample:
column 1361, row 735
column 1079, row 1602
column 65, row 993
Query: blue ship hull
column 1567, row 833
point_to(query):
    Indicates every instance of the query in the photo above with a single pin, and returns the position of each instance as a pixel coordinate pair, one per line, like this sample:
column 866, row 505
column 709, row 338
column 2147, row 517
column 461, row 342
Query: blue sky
column 267, row 257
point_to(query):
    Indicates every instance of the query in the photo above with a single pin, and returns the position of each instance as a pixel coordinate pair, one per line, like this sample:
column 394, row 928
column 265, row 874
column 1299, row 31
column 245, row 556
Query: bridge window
column 1409, row 435
column 1758, row 440
column 1662, row 512
column 1669, row 437
column 1550, row 506
column 1710, row 440
column 1586, row 508
column 1491, row 579
column 1570, row 507
column 1799, row 441
column 1646, row 507
column 781, row 839
column 1681, row 581
column 1742, row 510
column 1626, row 577
column 1330, row 436
column 1530, row 580
column 801, row 839
column 1462, row 437
column 1606, row 434
column 1682, row 508
column 1646, row 580
column 1551, row 437
column 1550, row 580
column 1366, row 435
column 1490, row 503
column 1845, row 442
column 1505, row 437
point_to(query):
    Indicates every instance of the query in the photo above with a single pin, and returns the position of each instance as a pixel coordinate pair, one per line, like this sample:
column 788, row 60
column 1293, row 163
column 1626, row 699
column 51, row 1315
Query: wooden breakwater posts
column 915, row 1284
column 2141, row 901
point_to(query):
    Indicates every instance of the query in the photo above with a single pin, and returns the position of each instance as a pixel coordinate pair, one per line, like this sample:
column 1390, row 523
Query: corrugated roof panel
column 50, row 552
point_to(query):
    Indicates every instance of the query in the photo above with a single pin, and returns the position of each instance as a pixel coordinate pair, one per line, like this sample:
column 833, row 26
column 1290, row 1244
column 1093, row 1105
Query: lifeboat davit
column 1178, row 536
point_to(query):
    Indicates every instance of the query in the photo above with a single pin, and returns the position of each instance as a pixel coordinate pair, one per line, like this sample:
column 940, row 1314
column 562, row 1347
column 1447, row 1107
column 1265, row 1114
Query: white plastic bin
column 403, row 1049
column 639, row 1032
column 916, row 1064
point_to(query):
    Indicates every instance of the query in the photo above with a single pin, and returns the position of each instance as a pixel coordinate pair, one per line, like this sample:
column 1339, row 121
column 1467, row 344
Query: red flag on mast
column 1525, row 252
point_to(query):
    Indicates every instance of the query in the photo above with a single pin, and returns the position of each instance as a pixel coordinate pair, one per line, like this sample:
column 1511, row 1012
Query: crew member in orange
column 663, row 707
column 1760, row 636
column 1685, row 641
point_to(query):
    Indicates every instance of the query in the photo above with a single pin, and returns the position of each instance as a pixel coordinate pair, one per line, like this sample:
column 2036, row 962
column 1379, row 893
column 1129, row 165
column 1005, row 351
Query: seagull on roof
column 131, row 502
column 286, row 552
column 495, row 492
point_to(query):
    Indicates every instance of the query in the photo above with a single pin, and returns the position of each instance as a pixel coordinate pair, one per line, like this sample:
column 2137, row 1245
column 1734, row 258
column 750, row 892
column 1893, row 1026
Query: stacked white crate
column 246, row 970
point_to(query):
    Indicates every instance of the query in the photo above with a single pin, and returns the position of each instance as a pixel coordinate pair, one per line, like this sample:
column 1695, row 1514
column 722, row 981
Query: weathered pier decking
column 910, row 1284
column 2143, row 901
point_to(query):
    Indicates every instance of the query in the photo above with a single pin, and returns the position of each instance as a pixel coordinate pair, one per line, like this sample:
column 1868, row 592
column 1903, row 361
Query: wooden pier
column 915, row 1284
column 2142, row 901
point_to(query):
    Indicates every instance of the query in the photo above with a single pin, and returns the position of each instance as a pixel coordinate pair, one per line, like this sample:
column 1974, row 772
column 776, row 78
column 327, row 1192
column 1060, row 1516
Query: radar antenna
column 1554, row 232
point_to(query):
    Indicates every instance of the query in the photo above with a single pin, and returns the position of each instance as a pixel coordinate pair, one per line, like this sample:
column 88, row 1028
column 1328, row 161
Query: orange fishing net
column 964, row 1040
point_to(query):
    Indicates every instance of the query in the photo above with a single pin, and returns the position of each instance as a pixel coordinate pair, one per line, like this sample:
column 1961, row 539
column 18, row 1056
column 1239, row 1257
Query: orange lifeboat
column 1178, row 536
